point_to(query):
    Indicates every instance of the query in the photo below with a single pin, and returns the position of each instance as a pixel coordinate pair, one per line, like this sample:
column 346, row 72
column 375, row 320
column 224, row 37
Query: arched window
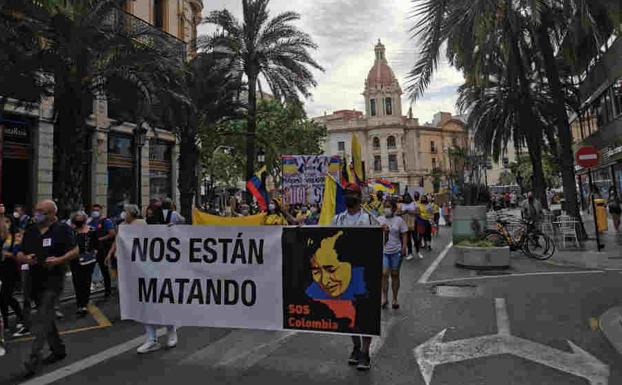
column 372, row 107
column 376, row 143
column 391, row 142
column 388, row 106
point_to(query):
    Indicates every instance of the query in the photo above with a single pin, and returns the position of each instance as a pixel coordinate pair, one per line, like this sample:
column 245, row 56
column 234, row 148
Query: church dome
column 380, row 75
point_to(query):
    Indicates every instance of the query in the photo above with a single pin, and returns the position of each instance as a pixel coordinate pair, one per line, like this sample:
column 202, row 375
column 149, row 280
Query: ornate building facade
column 126, row 165
column 395, row 147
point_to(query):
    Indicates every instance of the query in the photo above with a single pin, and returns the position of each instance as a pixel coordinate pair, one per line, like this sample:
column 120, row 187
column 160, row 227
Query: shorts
column 392, row 261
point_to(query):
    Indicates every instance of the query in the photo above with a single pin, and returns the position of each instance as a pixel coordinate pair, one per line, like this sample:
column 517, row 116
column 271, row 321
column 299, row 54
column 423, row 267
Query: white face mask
column 271, row 207
column 388, row 212
column 16, row 215
column 123, row 215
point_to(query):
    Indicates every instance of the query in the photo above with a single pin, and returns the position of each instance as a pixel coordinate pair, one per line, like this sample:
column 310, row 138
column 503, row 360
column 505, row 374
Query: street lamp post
column 140, row 139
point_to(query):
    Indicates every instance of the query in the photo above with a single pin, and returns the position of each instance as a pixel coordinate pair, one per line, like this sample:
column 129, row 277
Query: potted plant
column 478, row 252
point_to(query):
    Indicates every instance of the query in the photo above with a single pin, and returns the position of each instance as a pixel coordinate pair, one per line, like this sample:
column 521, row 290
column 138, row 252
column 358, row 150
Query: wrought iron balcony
column 125, row 23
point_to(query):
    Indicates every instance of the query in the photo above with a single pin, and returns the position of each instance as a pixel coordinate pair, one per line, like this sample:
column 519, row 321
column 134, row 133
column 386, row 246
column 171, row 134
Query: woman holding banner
column 131, row 216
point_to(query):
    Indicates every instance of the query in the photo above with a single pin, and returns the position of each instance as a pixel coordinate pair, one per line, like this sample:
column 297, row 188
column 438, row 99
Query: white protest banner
column 201, row 275
column 312, row 279
column 303, row 177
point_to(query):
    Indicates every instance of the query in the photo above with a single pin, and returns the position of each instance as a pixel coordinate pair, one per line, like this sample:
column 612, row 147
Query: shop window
column 391, row 142
column 376, row 143
column 393, row 163
column 160, row 165
column 377, row 163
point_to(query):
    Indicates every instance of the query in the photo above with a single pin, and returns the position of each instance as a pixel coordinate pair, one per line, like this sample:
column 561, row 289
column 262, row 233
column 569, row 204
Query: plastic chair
column 547, row 224
column 568, row 230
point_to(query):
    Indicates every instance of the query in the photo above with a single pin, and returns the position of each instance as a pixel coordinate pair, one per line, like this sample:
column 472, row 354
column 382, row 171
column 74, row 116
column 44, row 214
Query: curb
column 610, row 324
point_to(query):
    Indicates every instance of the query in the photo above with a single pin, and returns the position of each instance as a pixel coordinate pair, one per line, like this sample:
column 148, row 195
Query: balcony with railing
column 147, row 34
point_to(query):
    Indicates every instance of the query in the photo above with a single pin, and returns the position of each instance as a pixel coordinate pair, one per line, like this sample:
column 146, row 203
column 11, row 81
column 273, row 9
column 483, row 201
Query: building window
column 454, row 142
column 160, row 165
column 159, row 14
column 391, row 142
column 432, row 147
column 372, row 107
column 388, row 106
column 120, row 173
column 377, row 163
column 433, row 163
column 376, row 143
column 617, row 97
column 341, row 146
column 393, row 162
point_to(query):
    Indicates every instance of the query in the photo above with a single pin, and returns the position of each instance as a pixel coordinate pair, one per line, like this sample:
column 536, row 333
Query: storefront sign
column 15, row 131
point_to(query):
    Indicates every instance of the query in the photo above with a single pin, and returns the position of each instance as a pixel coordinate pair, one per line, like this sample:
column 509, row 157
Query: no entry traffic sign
column 587, row 157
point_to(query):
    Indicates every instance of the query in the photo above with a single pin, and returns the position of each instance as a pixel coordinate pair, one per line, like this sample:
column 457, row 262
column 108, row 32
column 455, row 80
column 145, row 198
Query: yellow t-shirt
column 275, row 220
column 422, row 211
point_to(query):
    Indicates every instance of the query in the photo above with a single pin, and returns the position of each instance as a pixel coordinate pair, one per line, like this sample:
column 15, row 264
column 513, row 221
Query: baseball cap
column 353, row 187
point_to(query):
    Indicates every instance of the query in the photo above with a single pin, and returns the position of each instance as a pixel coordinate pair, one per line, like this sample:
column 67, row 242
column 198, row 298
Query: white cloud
column 346, row 32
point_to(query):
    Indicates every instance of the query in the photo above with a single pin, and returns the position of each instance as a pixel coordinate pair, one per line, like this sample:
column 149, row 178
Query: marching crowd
column 38, row 251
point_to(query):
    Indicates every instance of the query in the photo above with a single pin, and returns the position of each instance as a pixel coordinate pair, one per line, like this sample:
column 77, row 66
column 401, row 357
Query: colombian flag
column 333, row 201
column 256, row 186
column 334, row 165
column 384, row 185
column 357, row 161
column 289, row 165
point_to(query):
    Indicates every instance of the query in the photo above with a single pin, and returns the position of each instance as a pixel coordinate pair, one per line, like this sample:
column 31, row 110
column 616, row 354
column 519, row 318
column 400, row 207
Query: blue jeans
column 392, row 261
column 151, row 331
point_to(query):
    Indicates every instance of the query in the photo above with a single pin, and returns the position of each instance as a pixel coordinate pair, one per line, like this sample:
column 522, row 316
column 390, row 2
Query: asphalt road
column 507, row 327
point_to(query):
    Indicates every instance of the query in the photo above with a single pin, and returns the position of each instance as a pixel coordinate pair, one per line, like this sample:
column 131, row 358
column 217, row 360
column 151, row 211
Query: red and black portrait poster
column 332, row 279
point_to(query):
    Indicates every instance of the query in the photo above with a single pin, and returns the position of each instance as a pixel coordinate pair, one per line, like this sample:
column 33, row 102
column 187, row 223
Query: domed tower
column 382, row 90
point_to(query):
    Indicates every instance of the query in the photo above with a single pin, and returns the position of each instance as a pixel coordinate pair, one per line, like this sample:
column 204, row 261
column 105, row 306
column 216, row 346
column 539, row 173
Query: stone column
column 99, row 155
column 175, row 174
column 43, row 149
column 144, row 164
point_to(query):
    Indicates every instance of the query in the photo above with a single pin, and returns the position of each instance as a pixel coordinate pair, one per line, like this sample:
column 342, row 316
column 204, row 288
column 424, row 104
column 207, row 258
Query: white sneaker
column 171, row 339
column 420, row 256
column 148, row 347
column 410, row 257
column 2, row 350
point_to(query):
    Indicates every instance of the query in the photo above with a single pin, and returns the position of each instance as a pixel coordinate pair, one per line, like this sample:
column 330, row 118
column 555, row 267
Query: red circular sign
column 587, row 157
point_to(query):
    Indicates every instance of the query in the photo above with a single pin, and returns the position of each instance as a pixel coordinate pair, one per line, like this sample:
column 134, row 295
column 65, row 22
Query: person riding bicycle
column 531, row 209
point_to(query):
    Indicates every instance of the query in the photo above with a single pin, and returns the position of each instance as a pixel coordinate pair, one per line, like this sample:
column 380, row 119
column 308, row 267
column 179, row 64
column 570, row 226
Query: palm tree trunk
column 251, row 124
column 564, row 133
column 187, row 182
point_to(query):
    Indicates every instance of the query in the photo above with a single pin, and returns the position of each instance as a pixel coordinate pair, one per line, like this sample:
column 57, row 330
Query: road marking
column 579, row 362
column 426, row 275
column 88, row 362
column 242, row 348
column 515, row 275
column 98, row 316
column 385, row 329
column 503, row 321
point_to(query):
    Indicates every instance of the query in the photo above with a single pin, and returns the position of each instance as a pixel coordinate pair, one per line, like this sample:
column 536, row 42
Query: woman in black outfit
column 82, row 267
column 9, row 272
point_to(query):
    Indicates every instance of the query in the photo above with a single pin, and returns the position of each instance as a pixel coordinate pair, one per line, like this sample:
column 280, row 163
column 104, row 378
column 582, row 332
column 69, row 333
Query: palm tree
column 273, row 49
column 203, row 94
column 87, row 46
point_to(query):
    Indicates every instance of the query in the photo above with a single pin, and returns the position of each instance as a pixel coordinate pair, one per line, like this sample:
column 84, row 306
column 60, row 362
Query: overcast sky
column 346, row 32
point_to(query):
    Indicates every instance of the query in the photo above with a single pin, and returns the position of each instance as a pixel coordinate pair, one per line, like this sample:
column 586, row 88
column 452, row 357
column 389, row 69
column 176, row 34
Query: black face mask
column 351, row 201
column 78, row 224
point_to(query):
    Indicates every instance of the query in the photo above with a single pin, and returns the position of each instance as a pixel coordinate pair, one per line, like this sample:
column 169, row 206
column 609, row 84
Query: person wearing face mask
column 531, row 208
column 276, row 216
column 9, row 272
column 355, row 216
column 23, row 219
column 82, row 267
column 105, row 234
column 314, row 216
column 396, row 233
column 46, row 247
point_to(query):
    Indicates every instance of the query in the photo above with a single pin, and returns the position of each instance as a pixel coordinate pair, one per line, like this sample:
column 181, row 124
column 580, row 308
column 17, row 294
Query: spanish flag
column 357, row 160
column 333, row 201
column 257, row 188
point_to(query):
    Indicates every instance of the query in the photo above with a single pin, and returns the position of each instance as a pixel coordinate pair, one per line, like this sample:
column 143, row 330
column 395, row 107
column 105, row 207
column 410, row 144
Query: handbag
column 86, row 258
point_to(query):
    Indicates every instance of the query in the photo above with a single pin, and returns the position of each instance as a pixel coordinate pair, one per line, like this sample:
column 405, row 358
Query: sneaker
column 171, row 339
column 82, row 311
column 2, row 350
column 410, row 257
column 354, row 357
column 59, row 315
column 31, row 367
column 420, row 256
column 20, row 332
column 19, row 326
column 148, row 347
column 364, row 362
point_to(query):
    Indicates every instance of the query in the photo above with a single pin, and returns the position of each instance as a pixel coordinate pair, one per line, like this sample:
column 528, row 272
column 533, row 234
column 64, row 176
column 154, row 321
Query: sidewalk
column 609, row 258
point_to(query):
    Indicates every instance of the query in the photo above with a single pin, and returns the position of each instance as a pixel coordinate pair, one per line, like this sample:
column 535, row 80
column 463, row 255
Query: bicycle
column 527, row 238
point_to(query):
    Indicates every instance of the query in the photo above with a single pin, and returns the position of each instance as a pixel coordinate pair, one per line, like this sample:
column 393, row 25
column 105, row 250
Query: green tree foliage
column 282, row 129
